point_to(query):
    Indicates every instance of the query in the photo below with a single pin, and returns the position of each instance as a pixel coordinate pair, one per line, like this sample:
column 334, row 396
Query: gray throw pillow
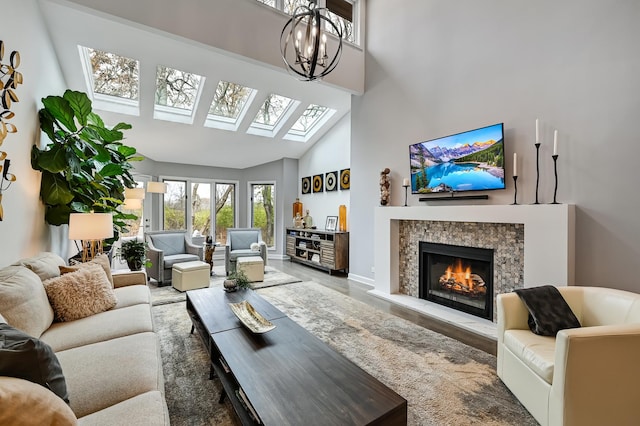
column 26, row 357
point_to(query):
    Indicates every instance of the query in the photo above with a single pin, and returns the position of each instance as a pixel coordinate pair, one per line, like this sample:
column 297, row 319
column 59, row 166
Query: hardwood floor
column 359, row 292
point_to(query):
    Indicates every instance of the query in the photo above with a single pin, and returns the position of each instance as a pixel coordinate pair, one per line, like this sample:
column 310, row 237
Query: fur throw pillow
column 80, row 294
column 101, row 259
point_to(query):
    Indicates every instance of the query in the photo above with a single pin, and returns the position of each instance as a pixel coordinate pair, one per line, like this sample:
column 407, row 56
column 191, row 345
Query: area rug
column 444, row 381
column 168, row 294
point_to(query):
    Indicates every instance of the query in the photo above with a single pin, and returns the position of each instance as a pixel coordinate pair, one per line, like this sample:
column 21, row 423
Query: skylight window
column 177, row 94
column 112, row 80
column 309, row 122
column 229, row 105
column 273, row 112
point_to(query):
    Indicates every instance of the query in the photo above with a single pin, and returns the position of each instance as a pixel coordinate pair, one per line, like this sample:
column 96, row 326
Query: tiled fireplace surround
column 533, row 245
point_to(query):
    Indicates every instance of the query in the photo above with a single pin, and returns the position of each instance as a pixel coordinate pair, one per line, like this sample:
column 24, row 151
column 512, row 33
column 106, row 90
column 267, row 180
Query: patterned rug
column 168, row 294
column 444, row 381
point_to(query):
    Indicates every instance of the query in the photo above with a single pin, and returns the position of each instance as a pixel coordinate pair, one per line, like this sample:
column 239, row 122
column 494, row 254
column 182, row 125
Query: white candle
column 405, row 182
column 555, row 142
column 537, row 133
column 515, row 164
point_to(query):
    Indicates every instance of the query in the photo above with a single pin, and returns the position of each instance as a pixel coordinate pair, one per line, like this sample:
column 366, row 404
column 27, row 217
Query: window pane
column 175, row 212
column 225, row 210
column 272, row 109
column 291, row 5
column 229, row 100
column 177, row 89
column 264, row 201
column 309, row 117
column 114, row 75
column 201, row 208
column 345, row 27
column 271, row 3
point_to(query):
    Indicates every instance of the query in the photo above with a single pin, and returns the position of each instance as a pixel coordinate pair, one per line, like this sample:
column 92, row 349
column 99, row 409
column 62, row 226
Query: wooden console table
column 287, row 376
column 328, row 250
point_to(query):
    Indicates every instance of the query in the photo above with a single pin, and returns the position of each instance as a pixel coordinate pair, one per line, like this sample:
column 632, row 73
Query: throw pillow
column 26, row 357
column 102, row 260
column 23, row 300
column 548, row 311
column 81, row 293
column 44, row 264
column 28, row 404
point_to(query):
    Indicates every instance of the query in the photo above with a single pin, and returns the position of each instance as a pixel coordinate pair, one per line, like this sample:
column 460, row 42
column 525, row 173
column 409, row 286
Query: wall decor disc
column 345, row 179
column 317, row 183
column 331, row 181
column 306, row 185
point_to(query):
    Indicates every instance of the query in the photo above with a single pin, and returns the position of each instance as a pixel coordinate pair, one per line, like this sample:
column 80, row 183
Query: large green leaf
column 80, row 104
column 109, row 135
column 79, row 207
column 57, row 215
column 127, row 151
column 46, row 123
column 61, row 111
column 54, row 189
column 54, row 160
column 111, row 170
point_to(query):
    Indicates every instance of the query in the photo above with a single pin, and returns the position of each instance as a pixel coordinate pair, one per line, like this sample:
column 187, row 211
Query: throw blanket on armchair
column 548, row 311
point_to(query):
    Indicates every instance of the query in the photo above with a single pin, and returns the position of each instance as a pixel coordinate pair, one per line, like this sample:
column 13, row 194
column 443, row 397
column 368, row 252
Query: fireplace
column 458, row 277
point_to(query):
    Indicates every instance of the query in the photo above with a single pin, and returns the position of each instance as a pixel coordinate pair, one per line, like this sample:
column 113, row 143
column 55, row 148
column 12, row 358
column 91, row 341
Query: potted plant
column 236, row 279
column 85, row 167
column 134, row 252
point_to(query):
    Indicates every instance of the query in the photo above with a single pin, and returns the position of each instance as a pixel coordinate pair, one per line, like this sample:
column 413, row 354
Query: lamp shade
column 90, row 226
column 132, row 204
column 157, row 187
column 134, row 193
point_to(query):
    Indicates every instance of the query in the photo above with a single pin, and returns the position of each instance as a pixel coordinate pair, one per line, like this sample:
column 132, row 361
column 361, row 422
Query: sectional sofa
column 110, row 360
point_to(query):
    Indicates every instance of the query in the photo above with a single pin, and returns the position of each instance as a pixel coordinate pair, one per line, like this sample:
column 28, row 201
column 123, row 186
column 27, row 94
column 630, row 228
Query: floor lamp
column 91, row 229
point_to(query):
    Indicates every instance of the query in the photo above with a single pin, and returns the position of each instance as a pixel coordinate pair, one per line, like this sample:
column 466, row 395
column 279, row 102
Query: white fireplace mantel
column 548, row 238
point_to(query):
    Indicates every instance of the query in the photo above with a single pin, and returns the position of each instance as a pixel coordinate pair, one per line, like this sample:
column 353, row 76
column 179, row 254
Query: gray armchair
column 166, row 248
column 239, row 242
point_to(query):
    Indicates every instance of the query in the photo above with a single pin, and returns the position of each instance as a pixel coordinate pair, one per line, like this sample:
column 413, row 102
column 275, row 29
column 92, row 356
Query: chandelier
column 303, row 43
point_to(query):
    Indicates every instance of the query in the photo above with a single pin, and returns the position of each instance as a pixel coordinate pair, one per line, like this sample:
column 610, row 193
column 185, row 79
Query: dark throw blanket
column 548, row 311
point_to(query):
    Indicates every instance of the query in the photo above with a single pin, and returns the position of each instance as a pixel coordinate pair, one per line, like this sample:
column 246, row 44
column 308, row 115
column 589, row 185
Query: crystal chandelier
column 303, row 43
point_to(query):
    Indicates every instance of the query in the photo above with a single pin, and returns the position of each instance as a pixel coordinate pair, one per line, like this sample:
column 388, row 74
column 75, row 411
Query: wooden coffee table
column 287, row 375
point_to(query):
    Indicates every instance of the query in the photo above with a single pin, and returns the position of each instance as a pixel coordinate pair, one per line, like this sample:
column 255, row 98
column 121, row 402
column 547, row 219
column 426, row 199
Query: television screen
column 468, row 161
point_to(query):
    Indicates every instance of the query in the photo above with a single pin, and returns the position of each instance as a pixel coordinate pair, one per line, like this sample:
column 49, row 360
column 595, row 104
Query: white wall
column 23, row 231
column 331, row 153
column 435, row 68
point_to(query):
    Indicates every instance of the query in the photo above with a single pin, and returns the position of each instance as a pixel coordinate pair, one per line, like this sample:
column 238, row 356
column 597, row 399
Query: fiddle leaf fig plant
column 85, row 166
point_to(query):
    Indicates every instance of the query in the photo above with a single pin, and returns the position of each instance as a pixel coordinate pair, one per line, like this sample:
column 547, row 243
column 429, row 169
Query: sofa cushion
column 169, row 243
column 100, row 327
column 132, row 295
column 148, row 409
column 81, row 293
column 106, row 373
column 536, row 352
column 102, row 260
column 171, row 260
column 28, row 404
column 44, row 264
column 29, row 358
column 241, row 240
column 23, row 300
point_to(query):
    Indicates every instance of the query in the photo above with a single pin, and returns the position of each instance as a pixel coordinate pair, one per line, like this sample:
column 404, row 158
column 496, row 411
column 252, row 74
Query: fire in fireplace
column 458, row 277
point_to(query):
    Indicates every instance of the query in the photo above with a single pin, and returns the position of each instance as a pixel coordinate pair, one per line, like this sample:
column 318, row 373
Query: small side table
column 209, row 249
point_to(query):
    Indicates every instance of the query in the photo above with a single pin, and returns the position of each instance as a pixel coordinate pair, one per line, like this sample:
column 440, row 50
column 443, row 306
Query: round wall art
column 345, row 179
column 306, row 185
column 331, row 181
column 318, row 183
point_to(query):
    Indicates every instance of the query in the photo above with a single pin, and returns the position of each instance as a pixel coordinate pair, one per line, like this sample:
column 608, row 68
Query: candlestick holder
column 406, row 188
column 537, row 144
column 555, row 171
column 515, row 191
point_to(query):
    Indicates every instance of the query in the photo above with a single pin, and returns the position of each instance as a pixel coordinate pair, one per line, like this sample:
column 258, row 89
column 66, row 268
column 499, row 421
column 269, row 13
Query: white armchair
column 583, row 376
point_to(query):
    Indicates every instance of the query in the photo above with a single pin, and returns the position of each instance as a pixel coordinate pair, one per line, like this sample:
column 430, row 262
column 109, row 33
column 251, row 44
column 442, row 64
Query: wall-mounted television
column 467, row 161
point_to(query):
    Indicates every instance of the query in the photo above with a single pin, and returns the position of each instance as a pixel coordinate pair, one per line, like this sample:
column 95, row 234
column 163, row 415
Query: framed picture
column 345, row 179
column 331, row 181
column 332, row 223
column 306, row 185
column 318, row 183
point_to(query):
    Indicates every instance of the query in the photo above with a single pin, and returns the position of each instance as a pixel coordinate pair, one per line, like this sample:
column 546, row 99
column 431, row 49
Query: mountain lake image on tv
column 467, row 161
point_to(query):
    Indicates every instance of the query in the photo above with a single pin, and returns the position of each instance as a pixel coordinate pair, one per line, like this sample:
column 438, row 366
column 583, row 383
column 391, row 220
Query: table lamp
column 91, row 229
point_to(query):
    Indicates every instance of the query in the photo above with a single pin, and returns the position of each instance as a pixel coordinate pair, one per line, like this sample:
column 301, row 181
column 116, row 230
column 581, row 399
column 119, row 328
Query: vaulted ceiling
column 72, row 25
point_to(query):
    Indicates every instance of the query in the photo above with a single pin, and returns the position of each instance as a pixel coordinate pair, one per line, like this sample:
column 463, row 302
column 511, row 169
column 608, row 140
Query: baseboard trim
column 362, row 280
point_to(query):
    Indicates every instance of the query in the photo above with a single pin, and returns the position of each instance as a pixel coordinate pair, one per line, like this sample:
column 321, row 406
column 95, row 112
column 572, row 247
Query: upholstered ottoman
column 252, row 266
column 190, row 275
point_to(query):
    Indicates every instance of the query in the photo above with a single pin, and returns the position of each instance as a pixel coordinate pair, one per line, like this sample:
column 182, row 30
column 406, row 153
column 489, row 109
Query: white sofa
column 583, row 376
column 110, row 360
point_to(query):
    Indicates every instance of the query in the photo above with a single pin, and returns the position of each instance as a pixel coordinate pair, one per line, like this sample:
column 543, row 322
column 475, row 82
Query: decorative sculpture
column 385, row 194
